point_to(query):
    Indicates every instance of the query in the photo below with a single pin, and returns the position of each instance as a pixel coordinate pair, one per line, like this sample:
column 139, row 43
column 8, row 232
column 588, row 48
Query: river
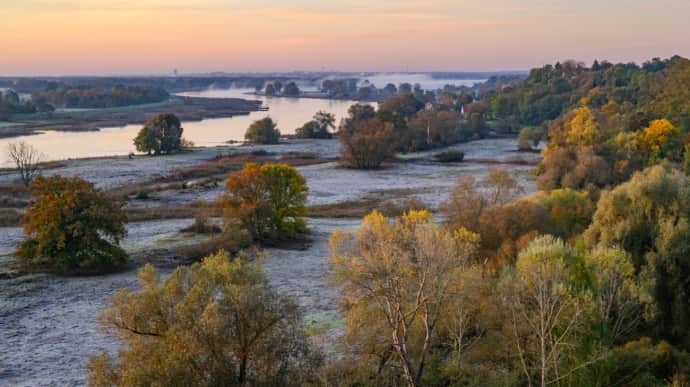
column 289, row 113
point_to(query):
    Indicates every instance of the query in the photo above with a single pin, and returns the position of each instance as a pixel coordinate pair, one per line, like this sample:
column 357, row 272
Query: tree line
column 84, row 97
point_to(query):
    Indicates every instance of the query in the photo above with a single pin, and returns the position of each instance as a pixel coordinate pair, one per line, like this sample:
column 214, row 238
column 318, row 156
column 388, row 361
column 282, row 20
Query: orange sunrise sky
column 65, row 37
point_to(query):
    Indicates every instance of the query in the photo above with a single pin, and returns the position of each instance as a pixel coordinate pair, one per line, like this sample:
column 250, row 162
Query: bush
column 450, row 156
column 267, row 201
column 263, row 131
column 162, row 134
column 72, row 228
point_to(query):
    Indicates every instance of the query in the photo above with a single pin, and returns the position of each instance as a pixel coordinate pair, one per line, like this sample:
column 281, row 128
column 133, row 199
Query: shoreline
column 186, row 108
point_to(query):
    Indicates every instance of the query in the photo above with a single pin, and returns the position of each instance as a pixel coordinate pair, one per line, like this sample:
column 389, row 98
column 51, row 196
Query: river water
column 289, row 113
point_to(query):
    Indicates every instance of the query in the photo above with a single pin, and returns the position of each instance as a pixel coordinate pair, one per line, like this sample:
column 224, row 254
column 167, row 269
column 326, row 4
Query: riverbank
column 185, row 107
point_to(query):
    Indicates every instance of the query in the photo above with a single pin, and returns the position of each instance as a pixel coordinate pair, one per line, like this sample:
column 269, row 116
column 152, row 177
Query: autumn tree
column 568, row 309
column 263, row 131
column 267, row 201
column 661, row 140
column 161, row 134
column 217, row 322
column 405, row 105
column 25, row 158
column 570, row 211
column 470, row 198
column 649, row 216
column 396, row 280
column 366, row 144
column 72, row 228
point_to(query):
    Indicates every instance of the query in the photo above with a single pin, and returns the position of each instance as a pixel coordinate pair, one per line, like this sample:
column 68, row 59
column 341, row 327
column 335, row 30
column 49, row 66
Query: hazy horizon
column 154, row 37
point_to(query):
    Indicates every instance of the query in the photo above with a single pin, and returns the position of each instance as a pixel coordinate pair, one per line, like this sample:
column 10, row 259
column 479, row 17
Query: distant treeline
column 169, row 83
column 97, row 98
column 11, row 104
column 655, row 89
column 603, row 122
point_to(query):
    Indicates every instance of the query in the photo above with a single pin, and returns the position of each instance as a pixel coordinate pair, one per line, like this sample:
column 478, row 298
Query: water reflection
column 290, row 113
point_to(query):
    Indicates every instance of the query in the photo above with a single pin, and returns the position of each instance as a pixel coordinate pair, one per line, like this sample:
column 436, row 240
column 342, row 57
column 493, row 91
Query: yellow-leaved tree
column 661, row 140
column 216, row 323
column 398, row 279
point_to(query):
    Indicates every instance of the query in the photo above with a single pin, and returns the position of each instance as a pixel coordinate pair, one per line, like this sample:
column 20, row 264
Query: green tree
column 568, row 309
column 319, row 127
column 162, row 134
column 71, row 228
column 649, row 217
column 267, row 201
column 215, row 323
column 263, row 131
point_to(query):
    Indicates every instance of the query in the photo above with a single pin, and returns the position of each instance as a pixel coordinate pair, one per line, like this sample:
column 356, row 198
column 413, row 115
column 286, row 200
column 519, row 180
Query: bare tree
column 25, row 158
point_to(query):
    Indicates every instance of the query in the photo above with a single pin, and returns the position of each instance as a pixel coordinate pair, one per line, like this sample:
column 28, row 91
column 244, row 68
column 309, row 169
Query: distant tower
column 175, row 73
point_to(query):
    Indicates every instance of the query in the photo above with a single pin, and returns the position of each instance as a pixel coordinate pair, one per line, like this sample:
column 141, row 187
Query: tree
column 217, row 322
column 570, row 211
column 468, row 200
column 263, row 131
column 406, row 105
column 278, row 86
column 25, row 158
column 649, row 216
column 161, row 134
column 325, row 120
column 661, row 140
column 267, row 201
column 540, row 299
column 396, row 281
column 568, row 308
column 390, row 89
column 72, row 228
column 318, row 127
column 367, row 143
column 291, row 90
column 405, row 88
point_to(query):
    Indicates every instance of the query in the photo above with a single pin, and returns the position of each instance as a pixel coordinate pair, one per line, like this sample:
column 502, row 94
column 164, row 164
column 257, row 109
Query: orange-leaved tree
column 72, row 227
column 267, row 201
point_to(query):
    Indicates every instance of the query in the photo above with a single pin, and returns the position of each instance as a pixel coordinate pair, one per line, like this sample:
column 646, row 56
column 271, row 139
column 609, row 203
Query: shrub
column 450, row 156
column 72, row 228
column 263, row 131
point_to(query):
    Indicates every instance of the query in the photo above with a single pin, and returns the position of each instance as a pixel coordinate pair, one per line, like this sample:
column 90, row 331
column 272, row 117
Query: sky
column 96, row 37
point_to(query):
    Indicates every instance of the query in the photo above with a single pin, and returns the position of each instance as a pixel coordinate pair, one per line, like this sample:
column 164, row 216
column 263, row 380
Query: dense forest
column 603, row 122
